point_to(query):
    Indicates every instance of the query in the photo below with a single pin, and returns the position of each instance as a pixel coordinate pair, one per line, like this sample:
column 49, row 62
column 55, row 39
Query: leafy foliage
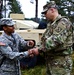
column 9, row 6
column 66, row 8
column 14, row 6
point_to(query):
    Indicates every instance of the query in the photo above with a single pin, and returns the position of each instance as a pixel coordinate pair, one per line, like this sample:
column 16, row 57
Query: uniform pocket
column 7, row 68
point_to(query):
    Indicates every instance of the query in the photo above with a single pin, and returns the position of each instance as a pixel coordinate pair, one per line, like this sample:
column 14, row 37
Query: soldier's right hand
column 35, row 51
column 30, row 53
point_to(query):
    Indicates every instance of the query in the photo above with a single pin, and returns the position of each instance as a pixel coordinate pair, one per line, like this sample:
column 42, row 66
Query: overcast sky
column 29, row 8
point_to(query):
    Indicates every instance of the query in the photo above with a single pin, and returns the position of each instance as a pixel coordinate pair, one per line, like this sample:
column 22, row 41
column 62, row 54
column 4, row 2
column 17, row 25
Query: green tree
column 66, row 8
column 14, row 6
column 11, row 6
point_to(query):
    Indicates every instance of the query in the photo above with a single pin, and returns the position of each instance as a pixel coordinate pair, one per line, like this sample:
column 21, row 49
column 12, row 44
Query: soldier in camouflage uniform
column 10, row 43
column 56, row 42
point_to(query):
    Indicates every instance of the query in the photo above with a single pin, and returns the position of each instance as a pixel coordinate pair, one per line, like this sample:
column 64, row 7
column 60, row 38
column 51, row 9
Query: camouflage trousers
column 59, row 66
column 8, row 73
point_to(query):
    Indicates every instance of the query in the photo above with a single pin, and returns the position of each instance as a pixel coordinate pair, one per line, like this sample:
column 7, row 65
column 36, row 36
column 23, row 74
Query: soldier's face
column 9, row 29
column 49, row 14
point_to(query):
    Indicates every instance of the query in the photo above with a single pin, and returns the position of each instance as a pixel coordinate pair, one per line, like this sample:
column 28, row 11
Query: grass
column 37, row 70
column 40, row 70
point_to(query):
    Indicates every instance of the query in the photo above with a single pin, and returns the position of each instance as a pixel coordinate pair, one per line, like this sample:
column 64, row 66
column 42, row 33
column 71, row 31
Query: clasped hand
column 33, row 51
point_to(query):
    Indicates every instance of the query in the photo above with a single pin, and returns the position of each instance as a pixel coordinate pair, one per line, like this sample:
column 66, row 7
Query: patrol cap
column 7, row 21
column 50, row 4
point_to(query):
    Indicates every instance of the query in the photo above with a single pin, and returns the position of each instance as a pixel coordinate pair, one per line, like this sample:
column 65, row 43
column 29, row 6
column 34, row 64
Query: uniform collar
column 9, row 37
column 57, row 18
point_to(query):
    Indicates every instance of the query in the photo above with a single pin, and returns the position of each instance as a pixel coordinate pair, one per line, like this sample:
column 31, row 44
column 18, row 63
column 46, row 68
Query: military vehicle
column 30, row 34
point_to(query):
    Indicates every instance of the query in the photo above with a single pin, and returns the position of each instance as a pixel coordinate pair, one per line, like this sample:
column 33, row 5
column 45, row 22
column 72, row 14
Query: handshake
column 33, row 51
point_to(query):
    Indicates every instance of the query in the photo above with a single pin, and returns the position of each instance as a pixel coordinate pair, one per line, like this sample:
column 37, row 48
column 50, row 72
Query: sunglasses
column 11, row 26
column 45, row 12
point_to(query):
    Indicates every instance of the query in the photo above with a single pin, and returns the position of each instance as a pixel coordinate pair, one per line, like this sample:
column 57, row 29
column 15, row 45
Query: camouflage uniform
column 10, row 54
column 57, row 41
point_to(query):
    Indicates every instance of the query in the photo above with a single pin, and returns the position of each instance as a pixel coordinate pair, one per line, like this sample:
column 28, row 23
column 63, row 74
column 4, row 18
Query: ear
column 4, row 28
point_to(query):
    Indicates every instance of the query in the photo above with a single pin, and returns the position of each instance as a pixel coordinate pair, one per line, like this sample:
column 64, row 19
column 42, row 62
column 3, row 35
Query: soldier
column 56, row 42
column 10, row 43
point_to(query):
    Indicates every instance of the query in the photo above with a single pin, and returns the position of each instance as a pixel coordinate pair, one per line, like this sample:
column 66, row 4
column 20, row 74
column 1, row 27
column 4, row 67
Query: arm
column 61, row 37
column 25, row 44
column 7, row 51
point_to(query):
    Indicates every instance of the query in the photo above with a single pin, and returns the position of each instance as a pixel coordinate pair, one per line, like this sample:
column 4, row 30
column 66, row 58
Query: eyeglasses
column 11, row 26
column 45, row 12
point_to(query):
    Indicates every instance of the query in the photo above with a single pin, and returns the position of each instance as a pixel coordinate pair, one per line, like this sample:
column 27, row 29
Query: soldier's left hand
column 31, row 43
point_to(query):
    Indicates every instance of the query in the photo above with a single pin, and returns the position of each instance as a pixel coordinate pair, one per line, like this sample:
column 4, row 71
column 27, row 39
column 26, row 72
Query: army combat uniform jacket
column 10, row 54
column 56, row 42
